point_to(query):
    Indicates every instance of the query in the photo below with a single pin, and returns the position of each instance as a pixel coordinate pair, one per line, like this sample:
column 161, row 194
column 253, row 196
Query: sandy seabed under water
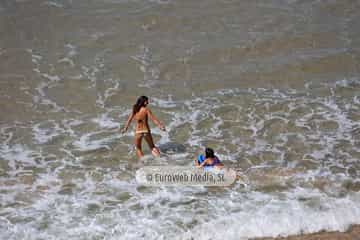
column 353, row 233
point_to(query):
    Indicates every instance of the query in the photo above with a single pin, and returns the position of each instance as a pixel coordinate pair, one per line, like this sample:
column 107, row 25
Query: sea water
column 272, row 86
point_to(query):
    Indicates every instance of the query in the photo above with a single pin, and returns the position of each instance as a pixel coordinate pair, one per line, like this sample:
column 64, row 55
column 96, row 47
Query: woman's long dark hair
column 139, row 104
column 209, row 153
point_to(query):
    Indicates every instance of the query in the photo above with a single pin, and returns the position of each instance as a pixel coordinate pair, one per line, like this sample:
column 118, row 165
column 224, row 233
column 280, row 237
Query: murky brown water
column 272, row 86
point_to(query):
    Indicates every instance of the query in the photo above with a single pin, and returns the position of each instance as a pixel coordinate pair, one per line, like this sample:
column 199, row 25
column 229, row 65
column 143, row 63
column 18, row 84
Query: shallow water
column 272, row 86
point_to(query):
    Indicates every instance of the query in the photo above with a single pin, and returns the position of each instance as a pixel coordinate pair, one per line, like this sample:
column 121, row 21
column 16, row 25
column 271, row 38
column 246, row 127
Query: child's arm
column 206, row 161
column 196, row 162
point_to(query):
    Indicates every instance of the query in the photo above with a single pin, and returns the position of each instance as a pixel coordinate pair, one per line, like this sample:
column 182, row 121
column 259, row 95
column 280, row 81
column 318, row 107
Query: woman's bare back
column 141, row 118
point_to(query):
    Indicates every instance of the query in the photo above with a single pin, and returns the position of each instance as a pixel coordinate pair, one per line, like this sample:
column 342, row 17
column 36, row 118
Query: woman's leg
column 138, row 138
column 154, row 150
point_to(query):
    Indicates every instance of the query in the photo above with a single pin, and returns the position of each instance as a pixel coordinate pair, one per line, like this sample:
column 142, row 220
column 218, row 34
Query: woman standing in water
column 142, row 130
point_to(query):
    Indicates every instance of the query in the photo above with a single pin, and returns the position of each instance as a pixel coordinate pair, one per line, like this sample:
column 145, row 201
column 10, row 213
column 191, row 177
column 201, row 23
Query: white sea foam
column 68, row 199
column 72, row 50
column 54, row 4
column 283, row 218
column 164, row 103
column 17, row 153
column 105, row 121
column 67, row 60
column 90, row 141
column 45, row 134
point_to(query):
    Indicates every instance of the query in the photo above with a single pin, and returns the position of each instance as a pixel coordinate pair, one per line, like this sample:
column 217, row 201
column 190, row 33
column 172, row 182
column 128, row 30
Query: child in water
column 209, row 160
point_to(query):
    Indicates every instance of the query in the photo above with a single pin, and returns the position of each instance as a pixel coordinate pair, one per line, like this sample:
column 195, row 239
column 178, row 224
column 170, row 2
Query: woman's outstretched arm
column 155, row 120
column 128, row 123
